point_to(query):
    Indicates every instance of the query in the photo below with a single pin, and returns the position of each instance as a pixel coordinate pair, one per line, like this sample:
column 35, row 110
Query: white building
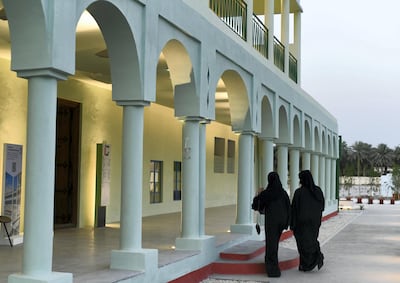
column 191, row 97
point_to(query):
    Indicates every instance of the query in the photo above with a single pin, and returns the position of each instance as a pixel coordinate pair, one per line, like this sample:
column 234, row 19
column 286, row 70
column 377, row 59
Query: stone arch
column 284, row 134
column 324, row 146
column 330, row 149
column 231, row 101
column 334, row 146
column 176, row 85
column 307, row 136
column 121, row 51
column 317, row 140
column 297, row 138
column 267, row 118
column 179, row 54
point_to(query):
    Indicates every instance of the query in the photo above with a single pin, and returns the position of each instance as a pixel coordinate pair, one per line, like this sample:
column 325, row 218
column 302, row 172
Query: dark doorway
column 67, row 160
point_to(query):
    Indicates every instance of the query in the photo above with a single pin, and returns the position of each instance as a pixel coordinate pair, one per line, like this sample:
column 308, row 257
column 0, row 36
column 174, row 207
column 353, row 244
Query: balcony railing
column 292, row 67
column 279, row 54
column 233, row 13
column 260, row 36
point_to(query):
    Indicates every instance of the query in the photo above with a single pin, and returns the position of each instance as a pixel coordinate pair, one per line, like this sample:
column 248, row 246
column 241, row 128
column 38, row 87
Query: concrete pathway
column 359, row 246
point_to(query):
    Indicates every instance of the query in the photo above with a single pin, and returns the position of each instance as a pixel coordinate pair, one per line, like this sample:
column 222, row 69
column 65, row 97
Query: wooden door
column 67, row 160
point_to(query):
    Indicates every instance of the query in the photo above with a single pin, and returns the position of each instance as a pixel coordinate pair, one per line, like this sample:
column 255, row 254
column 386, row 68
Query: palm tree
column 360, row 153
column 396, row 155
column 346, row 166
column 383, row 156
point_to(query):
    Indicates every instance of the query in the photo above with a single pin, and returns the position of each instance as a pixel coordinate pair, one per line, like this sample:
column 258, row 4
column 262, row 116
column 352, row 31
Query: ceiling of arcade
column 92, row 64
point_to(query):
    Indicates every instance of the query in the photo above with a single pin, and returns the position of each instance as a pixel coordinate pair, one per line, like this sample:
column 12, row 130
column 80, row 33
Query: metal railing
column 292, row 67
column 260, row 36
column 233, row 13
column 279, row 54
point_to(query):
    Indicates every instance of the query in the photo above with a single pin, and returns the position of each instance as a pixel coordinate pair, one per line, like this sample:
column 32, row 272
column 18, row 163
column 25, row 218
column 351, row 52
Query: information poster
column 12, row 185
column 106, row 175
column 103, row 179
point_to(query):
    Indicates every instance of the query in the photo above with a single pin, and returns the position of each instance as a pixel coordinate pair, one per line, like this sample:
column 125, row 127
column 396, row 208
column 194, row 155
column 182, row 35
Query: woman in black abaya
column 307, row 206
column 276, row 203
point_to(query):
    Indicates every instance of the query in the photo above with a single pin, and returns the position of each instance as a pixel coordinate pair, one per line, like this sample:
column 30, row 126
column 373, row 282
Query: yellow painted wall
column 101, row 121
column 13, row 115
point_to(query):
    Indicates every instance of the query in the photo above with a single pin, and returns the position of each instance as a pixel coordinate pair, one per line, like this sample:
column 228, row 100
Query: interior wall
column 101, row 121
column 13, row 117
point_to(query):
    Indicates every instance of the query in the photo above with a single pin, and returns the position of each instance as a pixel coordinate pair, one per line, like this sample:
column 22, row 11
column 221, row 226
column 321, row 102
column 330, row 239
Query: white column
column 190, row 179
column 131, row 177
column 131, row 256
column 283, row 165
column 249, row 24
column 322, row 173
column 245, row 185
column 244, row 179
column 333, row 179
column 39, row 193
column 202, row 178
column 193, row 188
column 315, row 168
column 328, row 175
column 306, row 160
column 294, row 170
column 268, row 160
column 285, row 9
column 38, row 230
column 297, row 43
column 269, row 23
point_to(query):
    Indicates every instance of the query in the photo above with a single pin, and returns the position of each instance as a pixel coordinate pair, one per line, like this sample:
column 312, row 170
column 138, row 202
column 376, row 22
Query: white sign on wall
column 12, row 171
column 106, row 175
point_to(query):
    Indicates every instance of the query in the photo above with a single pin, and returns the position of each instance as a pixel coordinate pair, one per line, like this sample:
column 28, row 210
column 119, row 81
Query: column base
column 53, row 277
column 204, row 243
column 137, row 260
column 248, row 229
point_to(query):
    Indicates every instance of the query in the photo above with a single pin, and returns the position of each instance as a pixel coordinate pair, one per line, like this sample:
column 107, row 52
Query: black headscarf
column 274, row 188
column 307, row 181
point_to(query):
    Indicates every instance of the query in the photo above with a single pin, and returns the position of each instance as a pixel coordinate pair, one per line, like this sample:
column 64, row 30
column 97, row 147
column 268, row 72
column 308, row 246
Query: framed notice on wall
column 12, row 171
column 103, row 178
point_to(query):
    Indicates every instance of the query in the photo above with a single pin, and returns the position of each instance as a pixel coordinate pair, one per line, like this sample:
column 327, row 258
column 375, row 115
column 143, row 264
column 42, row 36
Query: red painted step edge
column 284, row 236
column 231, row 268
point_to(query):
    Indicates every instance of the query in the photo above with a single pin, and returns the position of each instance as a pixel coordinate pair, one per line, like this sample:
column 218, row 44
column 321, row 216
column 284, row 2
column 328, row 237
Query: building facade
column 194, row 102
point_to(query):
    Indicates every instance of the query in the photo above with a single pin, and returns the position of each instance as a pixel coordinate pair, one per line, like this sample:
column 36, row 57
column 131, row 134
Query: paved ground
column 364, row 247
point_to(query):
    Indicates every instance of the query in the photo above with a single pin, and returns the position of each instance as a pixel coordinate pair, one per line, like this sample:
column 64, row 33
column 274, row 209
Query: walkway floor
column 359, row 246
column 87, row 250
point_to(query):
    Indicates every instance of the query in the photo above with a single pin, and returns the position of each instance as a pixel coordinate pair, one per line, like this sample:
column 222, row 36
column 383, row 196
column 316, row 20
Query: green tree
column 382, row 157
column 396, row 179
column 396, row 155
column 360, row 153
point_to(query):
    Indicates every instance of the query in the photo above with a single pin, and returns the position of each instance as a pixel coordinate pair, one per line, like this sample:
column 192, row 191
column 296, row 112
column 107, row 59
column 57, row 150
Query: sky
column 351, row 66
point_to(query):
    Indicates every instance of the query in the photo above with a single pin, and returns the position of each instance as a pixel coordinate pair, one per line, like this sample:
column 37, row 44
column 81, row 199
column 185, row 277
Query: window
column 177, row 180
column 230, row 163
column 155, row 181
column 219, row 155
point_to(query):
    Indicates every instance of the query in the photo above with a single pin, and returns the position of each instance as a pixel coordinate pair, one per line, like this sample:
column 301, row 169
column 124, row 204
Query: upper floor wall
column 216, row 71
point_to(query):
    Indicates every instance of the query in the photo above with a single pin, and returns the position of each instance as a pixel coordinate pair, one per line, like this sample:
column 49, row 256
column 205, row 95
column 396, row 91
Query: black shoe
column 274, row 274
column 321, row 261
column 301, row 268
column 258, row 229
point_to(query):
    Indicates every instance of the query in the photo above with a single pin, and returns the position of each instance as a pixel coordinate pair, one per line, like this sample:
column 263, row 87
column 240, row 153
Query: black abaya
column 276, row 203
column 307, row 206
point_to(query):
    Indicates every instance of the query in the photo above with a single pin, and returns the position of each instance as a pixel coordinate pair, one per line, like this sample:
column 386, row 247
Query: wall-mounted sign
column 12, row 171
